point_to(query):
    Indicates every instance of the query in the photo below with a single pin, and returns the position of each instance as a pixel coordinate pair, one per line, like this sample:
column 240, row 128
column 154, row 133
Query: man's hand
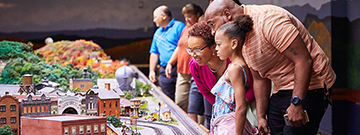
column 263, row 127
column 168, row 70
column 296, row 115
column 152, row 76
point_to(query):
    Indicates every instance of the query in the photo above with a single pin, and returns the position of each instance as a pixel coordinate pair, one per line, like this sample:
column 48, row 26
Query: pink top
column 205, row 80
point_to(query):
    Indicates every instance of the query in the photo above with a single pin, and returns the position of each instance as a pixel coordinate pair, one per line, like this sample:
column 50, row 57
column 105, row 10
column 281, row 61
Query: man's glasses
column 195, row 51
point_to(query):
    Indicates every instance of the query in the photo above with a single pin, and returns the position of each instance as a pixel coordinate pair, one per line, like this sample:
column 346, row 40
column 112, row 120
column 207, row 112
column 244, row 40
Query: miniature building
column 27, row 85
column 125, row 75
column 65, row 124
column 12, row 89
column 9, row 112
column 166, row 116
column 91, row 99
column 114, row 85
column 83, row 84
column 108, row 102
column 36, row 107
column 53, row 103
column 125, row 107
column 70, row 105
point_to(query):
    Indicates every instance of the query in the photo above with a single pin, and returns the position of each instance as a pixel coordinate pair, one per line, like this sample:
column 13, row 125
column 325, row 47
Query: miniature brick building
column 65, row 124
column 9, row 112
column 83, row 84
column 108, row 102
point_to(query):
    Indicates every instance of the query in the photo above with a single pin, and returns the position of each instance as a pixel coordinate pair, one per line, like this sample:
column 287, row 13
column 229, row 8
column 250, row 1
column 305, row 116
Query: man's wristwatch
column 296, row 100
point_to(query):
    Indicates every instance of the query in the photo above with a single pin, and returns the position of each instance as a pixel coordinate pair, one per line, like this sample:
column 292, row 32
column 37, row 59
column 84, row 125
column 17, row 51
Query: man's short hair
column 167, row 12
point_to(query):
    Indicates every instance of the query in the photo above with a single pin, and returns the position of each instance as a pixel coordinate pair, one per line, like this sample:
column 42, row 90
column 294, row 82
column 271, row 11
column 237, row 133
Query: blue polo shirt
column 165, row 40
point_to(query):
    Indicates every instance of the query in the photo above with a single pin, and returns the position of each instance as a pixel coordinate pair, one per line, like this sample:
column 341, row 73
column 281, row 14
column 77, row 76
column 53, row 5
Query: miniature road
column 159, row 128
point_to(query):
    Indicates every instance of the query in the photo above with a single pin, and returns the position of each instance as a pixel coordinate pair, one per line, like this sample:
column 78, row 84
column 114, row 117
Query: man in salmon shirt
column 279, row 49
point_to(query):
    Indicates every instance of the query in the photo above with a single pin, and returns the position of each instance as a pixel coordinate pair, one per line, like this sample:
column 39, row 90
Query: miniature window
column 66, row 130
column 12, row 107
column 24, row 109
column 73, row 130
column 81, row 130
column 47, row 108
column 3, row 108
column 110, row 104
column 13, row 119
column 104, row 103
column 82, row 86
column 38, row 108
column 96, row 128
column 102, row 127
column 91, row 98
column 88, row 129
column 3, row 120
column 116, row 103
column 29, row 109
column 33, row 109
column 42, row 108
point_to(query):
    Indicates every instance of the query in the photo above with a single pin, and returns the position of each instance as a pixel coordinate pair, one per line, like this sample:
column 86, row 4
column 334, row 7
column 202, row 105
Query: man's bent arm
column 298, row 53
column 262, row 89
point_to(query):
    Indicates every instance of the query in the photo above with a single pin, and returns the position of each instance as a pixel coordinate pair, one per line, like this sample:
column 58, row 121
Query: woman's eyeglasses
column 195, row 51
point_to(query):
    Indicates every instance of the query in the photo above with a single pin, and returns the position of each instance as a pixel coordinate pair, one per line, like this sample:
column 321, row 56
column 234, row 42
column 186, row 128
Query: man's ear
column 227, row 14
column 164, row 16
column 234, row 43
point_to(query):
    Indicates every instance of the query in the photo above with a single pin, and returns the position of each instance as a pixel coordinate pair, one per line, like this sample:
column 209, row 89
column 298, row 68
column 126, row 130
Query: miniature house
column 83, row 84
column 9, row 112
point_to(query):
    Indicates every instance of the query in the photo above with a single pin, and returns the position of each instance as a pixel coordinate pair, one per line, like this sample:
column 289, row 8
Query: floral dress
column 224, row 97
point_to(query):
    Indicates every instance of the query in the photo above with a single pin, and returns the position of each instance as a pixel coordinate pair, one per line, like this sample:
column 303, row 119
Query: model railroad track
column 158, row 131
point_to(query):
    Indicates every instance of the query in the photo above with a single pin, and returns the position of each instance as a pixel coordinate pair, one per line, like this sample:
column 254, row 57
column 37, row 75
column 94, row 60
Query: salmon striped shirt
column 274, row 30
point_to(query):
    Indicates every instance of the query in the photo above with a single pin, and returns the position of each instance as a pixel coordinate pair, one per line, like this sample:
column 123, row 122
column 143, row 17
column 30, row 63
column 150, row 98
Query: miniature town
column 126, row 104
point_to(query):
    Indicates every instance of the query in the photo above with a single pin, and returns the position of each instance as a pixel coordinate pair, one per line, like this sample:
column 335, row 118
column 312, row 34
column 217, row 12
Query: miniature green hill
column 24, row 61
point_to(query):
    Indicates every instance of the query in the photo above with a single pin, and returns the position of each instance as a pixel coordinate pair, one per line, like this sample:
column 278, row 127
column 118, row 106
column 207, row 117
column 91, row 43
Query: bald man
column 281, row 50
column 164, row 42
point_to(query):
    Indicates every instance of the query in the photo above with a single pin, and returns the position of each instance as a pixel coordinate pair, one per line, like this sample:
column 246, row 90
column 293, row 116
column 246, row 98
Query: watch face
column 295, row 100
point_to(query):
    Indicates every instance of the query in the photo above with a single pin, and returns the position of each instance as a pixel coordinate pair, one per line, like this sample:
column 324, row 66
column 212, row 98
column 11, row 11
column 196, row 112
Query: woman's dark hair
column 201, row 29
column 238, row 28
column 192, row 9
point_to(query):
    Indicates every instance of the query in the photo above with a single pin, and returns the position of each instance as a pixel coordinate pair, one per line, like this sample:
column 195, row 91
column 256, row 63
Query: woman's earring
column 213, row 53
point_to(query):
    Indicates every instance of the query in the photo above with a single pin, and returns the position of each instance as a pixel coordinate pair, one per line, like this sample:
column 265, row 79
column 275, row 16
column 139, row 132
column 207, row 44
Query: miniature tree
column 6, row 130
column 115, row 121
column 128, row 95
column 138, row 85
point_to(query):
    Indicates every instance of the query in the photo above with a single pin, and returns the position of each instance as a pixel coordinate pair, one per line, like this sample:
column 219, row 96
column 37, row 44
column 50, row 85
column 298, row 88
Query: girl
column 229, row 109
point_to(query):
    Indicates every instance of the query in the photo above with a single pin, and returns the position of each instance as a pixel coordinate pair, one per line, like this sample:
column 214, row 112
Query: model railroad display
column 60, row 73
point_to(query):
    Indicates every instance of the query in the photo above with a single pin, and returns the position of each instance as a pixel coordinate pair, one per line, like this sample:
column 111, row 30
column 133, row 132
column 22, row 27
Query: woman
column 230, row 104
column 187, row 96
column 206, row 68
